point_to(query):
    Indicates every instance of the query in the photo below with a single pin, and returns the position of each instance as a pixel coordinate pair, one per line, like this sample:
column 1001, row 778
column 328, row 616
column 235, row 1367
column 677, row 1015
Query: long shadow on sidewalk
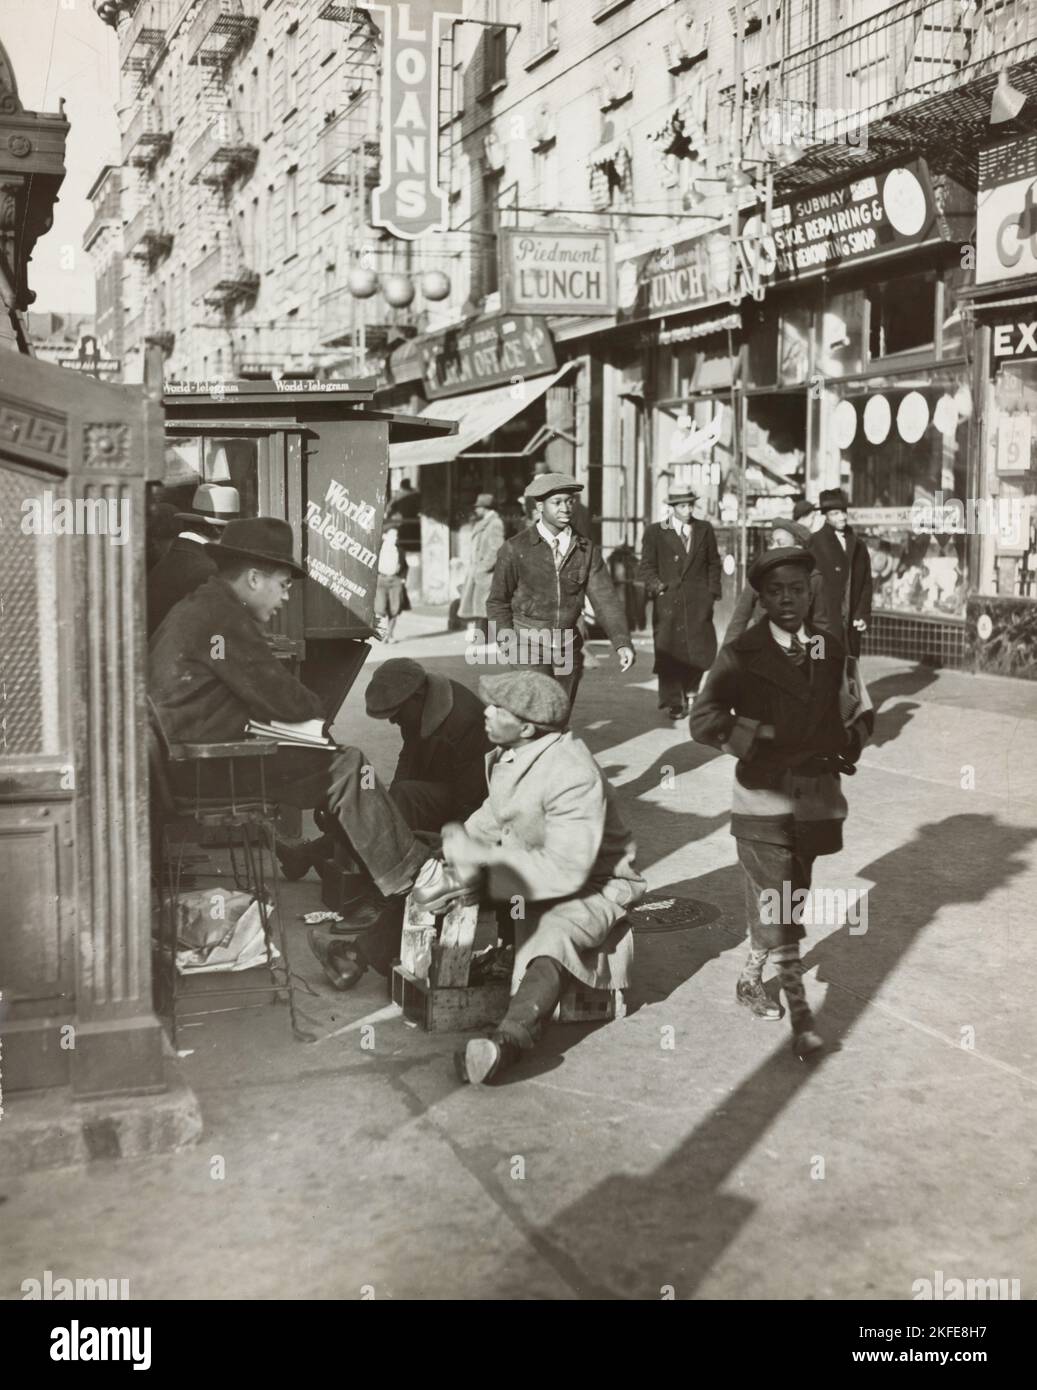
column 671, row 1225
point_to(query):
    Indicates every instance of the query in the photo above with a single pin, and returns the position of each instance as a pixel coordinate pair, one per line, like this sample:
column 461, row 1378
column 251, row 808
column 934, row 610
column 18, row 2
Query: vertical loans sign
column 409, row 201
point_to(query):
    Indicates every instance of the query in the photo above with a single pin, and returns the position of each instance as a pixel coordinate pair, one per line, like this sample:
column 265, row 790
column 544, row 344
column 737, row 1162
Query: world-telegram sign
column 556, row 272
column 409, row 201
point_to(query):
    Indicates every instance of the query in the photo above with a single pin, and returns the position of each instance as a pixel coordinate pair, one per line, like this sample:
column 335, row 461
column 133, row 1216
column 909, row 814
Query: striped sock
column 752, row 970
column 790, row 982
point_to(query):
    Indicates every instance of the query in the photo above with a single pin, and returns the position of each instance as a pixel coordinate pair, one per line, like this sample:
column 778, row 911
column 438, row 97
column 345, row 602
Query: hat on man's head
column 802, row 508
column 546, row 483
column 214, row 503
column 794, row 528
column 681, row 494
column 528, row 695
column 486, row 499
column 392, row 685
column 266, row 540
column 833, row 499
column 772, row 559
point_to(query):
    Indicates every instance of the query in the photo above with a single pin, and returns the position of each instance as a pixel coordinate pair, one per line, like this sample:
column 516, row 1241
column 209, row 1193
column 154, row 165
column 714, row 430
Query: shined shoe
column 438, row 885
column 752, row 995
column 808, row 1042
column 343, row 966
column 481, row 1059
column 295, row 860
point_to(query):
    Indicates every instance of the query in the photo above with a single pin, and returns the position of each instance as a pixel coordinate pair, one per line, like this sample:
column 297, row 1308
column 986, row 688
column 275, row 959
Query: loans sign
column 409, row 201
column 556, row 272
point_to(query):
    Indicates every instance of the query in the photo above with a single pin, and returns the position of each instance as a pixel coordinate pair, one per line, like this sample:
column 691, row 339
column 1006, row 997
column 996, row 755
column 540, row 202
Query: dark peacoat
column 846, row 575
column 211, row 670
column 684, row 585
column 451, row 745
column 787, row 784
column 528, row 592
column 185, row 565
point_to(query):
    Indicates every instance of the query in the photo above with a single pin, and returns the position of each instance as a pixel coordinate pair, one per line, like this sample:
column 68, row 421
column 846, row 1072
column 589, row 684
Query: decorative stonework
column 106, row 447
column 35, row 434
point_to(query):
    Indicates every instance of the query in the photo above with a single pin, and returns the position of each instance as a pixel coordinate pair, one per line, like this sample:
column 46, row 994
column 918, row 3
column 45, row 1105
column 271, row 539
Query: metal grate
column 663, row 914
column 22, row 623
column 915, row 639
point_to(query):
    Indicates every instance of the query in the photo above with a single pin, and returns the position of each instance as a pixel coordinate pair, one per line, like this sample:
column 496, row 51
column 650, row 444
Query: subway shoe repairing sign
column 409, row 201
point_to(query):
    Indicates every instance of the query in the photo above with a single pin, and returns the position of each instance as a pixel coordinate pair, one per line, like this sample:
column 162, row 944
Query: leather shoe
column 438, row 885
column 295, row 860
column 481, row 1059
column 756, row 999
column 343, row 965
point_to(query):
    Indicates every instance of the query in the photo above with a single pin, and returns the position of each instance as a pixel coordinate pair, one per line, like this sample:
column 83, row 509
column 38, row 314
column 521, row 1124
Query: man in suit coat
column 773, row 701
column 187, row 563
column 549, row 834
column 845, row 568
column 540, row 581
column 680, row 568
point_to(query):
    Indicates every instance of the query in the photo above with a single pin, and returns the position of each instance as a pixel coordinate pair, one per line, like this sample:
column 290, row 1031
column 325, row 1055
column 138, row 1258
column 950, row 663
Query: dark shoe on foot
column 359, row 913
column 295, row 860
column 808, row 1042
column 755, row 998
column 482, row 1059
column 343, row 966
column 438, row 885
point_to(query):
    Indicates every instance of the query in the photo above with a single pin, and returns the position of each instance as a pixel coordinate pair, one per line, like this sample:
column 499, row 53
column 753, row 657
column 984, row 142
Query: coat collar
column 439, row 701
column 765, row 658
column 676, row 542
column 526, row 754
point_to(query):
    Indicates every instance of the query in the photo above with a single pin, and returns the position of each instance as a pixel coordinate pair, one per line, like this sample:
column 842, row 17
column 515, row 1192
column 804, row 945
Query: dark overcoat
column 185, row 565
column 684, row 585
column 846, row 575
column 451, row 745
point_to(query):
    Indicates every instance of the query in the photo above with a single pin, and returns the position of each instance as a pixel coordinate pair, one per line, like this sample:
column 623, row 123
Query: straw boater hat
column 681, row 494
column 264, row 539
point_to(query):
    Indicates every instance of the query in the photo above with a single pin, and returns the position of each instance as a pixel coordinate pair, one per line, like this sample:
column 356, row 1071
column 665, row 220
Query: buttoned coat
column 527, row 592
column 846, row 575
column 553, row 838
column 487, row 539
column 683, row 585
column 185, row 565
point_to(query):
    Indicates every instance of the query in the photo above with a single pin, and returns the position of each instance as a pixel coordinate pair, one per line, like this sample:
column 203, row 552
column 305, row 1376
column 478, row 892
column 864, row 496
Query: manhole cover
column 671, row 914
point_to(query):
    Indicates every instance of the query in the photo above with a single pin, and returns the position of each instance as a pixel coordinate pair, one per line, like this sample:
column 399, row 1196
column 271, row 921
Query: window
column 901, row 315
column 545, row 173
column 496, row 58
column 543, row 29
column 291, row 70
column 490, row 228
column 291, row 203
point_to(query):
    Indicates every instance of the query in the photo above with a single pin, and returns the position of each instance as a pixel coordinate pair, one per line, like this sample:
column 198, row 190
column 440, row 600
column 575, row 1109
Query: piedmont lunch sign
column 409, row 201
column 556, row 272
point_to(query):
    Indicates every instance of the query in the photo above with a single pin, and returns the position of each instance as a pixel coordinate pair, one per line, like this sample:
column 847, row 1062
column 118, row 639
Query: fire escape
column 224, row 151
column 348, row 154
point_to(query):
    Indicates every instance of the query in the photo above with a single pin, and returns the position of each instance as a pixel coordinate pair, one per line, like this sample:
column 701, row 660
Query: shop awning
column 478, row 415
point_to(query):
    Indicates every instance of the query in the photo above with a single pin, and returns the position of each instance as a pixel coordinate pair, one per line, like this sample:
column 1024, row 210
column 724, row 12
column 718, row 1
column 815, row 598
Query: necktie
column 796, row 652
column 557, row 549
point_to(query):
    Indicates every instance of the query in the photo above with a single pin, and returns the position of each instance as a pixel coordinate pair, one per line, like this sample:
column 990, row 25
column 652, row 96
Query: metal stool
column 178, row 820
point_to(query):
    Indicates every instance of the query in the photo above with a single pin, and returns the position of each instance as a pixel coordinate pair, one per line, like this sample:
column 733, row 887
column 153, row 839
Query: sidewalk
column 682, row 1147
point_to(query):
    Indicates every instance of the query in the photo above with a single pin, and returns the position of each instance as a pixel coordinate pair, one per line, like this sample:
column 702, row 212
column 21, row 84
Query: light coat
column 683, row 585
column 487, row 539
column 554, row 838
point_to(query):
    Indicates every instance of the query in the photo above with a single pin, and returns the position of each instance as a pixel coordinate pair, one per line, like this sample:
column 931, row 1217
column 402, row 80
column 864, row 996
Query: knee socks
column 752, row 970
column 790, row 981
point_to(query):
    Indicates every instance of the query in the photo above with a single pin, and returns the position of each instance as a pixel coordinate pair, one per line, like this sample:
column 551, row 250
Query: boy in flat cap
column 773, row 701
column 540, row 581
column 680, row 569
column 845, row 568
column 550, row 837
column 747, row 609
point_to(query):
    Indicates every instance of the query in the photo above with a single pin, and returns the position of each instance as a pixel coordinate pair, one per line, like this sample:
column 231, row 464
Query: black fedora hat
column 833, row 499
column 264, row 539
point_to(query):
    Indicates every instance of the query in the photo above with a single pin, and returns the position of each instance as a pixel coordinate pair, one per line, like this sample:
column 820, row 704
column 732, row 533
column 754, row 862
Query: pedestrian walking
column 680, row 568
column 747, row 609
column 390, row 585
column 845, row 567
column 487, row 538
column 541, row 579
column 773, row 701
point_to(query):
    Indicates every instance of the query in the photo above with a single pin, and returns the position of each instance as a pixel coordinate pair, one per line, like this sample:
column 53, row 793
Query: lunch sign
column 556, row 272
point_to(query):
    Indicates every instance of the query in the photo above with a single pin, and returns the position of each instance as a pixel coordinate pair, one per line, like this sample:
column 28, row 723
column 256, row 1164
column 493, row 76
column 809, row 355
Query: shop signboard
column 1014, row 338
column 873, row 216
column 1006, row 213
column 688, row 275
column 484, row 352
column 556, row 272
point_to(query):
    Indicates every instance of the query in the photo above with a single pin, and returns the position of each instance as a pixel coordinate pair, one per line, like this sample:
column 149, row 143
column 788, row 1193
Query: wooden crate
column 449, row 1008
column 581, row 1004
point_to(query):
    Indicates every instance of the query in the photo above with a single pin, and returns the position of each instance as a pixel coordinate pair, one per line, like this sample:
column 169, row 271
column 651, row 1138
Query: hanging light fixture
column 1007, row 100
column 435, row 285
column 398, row 290
column 361, row 282
column 737, row 178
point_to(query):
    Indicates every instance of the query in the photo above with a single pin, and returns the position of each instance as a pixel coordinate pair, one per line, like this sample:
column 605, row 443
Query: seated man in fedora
column 441, row 772
column 187, row 563
column 211, row 671
column 549, row 838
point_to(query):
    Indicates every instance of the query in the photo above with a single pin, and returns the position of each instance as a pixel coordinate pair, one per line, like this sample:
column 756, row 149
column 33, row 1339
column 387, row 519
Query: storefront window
column 894, row 443
column 840, row 348
column 902, row 315
column 1010, row 552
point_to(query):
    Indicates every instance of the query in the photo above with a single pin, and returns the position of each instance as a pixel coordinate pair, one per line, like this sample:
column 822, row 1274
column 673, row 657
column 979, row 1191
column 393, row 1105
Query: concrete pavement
column 683, row 1149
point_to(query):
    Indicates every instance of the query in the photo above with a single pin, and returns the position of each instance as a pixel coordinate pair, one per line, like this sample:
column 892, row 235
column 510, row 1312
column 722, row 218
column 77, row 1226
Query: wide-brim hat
column 213, row 503
column 486, row 499
column 833, row 499
column 802, row 508
column 773, row 559
column 265, row 539
column 681, row 494
column 545, row 483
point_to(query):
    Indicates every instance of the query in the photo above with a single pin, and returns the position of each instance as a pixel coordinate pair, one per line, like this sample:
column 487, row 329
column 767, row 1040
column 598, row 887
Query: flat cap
column 528, row 695
column 486, row 499
column 801, row 533
column 546, row 483
column 394, row 682
column 780, row 555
